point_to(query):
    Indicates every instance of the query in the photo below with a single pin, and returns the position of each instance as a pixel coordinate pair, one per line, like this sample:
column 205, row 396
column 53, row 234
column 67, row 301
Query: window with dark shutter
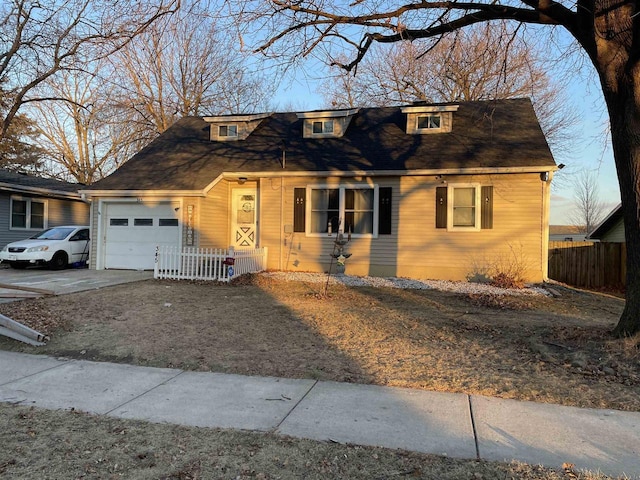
column 486, row 200
column 441, row 207
column 384, row 210
column 299, row 209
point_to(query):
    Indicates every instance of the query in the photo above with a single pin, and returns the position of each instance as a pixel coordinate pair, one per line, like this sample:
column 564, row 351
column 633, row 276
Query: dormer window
column 323, row 127
column 327, row 123
column 429, row 122
column 426, row 119
column 228, row 131
column 228, row 128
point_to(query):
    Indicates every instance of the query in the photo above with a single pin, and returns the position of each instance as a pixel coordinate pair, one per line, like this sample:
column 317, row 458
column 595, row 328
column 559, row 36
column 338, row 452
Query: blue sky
column 589, row 150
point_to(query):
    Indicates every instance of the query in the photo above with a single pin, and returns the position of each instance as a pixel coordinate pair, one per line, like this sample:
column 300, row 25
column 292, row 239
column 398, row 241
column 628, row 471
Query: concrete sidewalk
column 456, row 425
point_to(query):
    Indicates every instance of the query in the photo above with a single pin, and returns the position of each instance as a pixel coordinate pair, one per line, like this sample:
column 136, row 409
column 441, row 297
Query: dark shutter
column 384, row 210
column 441, row 207
column 486, row 210
column 299, row 209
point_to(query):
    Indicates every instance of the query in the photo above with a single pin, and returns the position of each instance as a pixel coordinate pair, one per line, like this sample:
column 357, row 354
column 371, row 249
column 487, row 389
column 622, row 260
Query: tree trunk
column 623, row 103
column 612, row 43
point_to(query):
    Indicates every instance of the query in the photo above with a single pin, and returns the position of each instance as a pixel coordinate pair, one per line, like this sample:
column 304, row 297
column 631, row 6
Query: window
column 325, row 126
column 168, row 222
column 81, row 235
column 429, row 122
column 464, row 207
column 325, row 210
column 343, row 209
column 28, row 214
column 228, row 131
column 119, row 222
column 358, row 210
column 143, row 222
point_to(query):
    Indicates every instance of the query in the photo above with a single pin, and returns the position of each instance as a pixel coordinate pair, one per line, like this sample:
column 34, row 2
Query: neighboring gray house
column 29, row 204
column 611, row 229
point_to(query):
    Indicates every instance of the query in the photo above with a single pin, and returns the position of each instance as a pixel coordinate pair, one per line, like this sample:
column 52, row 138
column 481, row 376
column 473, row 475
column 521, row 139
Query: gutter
column 235, row 175
column 377, row 173
column 142, row 193
column 12, row 187
column 18, row 331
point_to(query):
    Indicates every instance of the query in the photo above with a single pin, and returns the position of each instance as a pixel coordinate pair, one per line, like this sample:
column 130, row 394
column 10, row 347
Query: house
column 423, row 191
column 611, row 229
column 567, row 233
column 29, row 204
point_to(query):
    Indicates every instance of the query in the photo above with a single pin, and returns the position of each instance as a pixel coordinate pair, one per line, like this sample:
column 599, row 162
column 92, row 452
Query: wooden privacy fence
column 216, row 264
column 588, row 264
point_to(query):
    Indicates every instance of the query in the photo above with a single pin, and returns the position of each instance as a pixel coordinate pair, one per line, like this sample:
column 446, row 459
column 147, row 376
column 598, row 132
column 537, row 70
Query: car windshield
column 57, row 233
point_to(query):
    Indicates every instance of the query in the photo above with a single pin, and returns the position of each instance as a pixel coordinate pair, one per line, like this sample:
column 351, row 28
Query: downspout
column 280, row 249
column 546, row 204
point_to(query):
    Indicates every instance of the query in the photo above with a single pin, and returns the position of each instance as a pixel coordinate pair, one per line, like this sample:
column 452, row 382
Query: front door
column 244, row 218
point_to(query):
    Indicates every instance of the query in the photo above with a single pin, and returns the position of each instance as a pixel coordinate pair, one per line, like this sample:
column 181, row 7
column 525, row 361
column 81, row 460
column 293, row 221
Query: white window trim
column 228, row 125
column 450, row 200
column 45, row 221
column 324, row 133
column 429, row 114
column 341, row 209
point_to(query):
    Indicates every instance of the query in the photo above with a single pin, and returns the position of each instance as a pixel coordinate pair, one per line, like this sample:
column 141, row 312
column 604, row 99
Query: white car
column 57, row 247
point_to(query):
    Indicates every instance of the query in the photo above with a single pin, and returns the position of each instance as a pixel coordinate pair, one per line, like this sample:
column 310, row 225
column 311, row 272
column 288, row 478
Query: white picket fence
column 216, row 264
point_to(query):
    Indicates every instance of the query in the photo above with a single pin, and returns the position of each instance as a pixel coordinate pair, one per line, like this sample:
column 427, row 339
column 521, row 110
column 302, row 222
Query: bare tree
column 190, row 68
column 589, row 209
column 96, row 116
column 481, row 63
column 78, row 131
column 607, row 32
column 39, row 38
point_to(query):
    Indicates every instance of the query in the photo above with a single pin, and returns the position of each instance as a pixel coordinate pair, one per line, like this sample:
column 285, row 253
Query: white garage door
column 134, row 229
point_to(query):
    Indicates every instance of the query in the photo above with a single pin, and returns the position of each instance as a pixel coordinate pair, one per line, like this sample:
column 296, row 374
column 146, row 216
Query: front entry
column 244, row 218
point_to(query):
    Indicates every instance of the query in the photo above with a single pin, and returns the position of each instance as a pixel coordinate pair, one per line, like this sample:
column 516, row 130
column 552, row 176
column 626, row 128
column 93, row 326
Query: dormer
column 226, row 128
column 326, row 124
column 428, row 119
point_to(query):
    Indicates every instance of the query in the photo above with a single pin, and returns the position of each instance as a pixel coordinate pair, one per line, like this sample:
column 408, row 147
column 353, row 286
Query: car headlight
column 41, row 248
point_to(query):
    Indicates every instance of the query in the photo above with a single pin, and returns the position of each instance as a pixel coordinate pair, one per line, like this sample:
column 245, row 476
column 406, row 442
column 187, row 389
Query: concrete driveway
column 61, row 281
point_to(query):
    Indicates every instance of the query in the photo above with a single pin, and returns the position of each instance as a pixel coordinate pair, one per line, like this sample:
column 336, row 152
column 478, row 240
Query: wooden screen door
column 244, row 218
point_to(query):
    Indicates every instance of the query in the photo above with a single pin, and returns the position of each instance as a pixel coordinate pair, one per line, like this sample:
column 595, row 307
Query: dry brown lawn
column 544, row 349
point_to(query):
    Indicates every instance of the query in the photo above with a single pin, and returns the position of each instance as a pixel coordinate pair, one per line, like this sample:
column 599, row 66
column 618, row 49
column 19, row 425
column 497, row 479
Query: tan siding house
column 423, row 191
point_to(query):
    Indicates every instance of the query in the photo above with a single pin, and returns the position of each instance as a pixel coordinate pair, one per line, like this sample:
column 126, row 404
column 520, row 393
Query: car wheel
column 59, row 261
column 18, row 265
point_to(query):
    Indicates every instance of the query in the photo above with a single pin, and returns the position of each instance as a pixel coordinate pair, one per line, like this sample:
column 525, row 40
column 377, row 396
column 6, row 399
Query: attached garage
column 132, row 231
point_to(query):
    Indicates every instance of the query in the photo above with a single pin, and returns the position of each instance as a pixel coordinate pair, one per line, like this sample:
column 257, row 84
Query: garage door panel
column 133, row 230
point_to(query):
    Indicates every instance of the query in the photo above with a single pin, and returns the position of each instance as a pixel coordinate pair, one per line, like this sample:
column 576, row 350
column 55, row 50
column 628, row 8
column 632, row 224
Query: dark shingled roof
column 22, row 181
column 608, row 223
column 500, row 133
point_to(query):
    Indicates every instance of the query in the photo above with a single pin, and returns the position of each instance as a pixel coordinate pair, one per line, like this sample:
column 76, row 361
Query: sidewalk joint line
column 144, row 393
column 473, row 426
column 275, row 429
column 62, row 362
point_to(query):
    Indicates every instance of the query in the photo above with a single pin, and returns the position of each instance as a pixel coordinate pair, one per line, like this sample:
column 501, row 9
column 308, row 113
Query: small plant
column 505, row 270
column 506, row 280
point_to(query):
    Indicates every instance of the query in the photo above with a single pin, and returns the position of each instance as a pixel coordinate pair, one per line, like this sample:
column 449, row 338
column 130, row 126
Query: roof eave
column 606, row 224
column 374, row 173
column 40, row 191
column 143, row 193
